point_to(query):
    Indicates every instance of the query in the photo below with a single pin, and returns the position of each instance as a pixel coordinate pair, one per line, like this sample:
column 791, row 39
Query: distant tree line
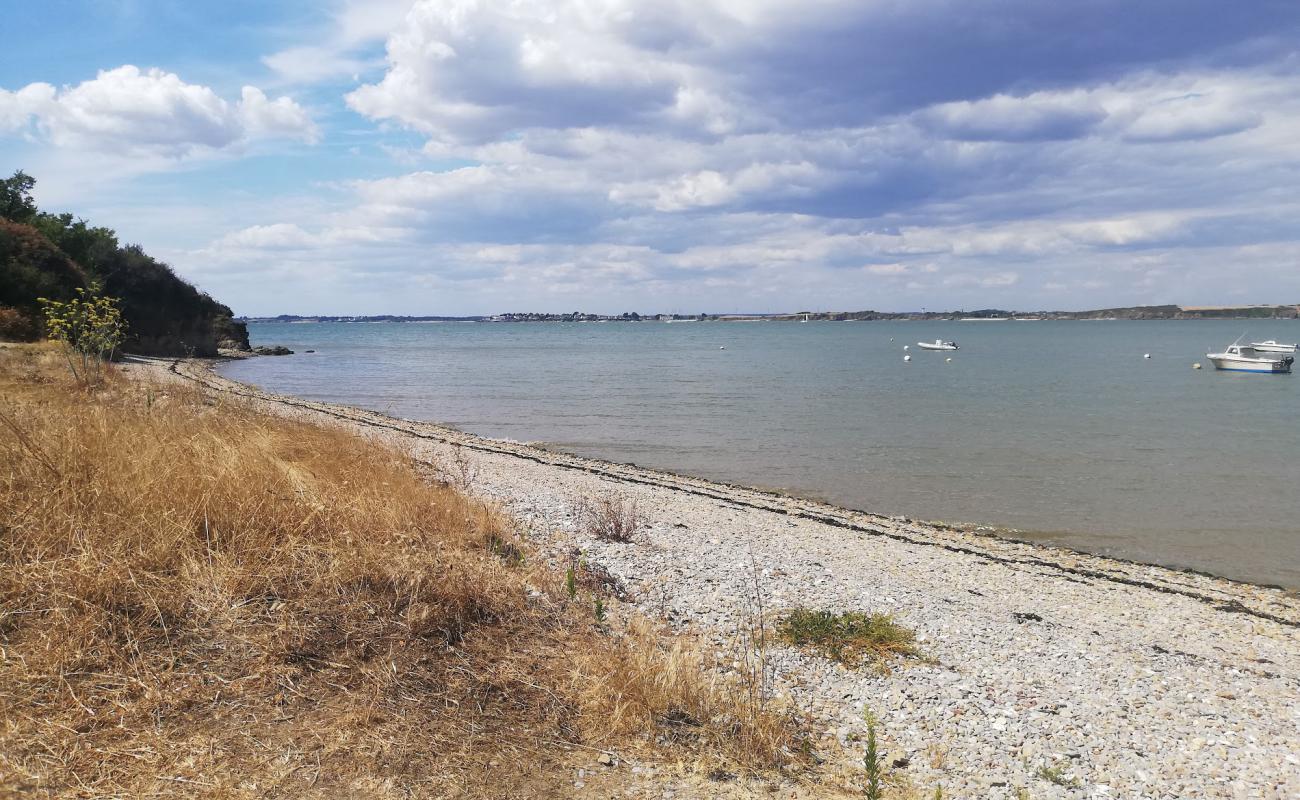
column 46, row 255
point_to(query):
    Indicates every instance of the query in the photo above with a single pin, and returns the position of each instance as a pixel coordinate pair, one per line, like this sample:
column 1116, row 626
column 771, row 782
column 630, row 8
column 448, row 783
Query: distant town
column 986, row 314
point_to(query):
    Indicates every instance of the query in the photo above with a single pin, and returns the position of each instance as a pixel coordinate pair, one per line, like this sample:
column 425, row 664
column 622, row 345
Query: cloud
column 18, row 108
column 314, row 64
column 340, row 48
column 153, row 113
column 709, row 188
column 270, row 118
column 641, row 154
column 471, row 71
column 1036, row 117
column 1192, row 117
column 281, row 236
column 888, row 269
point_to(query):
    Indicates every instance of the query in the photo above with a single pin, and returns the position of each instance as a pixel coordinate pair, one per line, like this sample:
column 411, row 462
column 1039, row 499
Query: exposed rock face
column 231, row 334
column 274, row 350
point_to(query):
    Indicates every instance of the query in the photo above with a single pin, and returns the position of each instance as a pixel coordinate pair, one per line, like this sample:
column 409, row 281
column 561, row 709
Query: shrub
column 17, row 326
column 89, row 329
column 611, row 517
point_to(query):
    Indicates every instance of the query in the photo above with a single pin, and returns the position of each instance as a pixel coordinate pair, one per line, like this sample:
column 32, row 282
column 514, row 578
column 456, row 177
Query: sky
column 467, row 157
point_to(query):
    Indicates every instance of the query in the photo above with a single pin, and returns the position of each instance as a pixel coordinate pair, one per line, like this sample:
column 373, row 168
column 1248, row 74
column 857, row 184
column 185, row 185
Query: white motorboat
column 938, row 344
column 1272, row 346
column 1241, row 358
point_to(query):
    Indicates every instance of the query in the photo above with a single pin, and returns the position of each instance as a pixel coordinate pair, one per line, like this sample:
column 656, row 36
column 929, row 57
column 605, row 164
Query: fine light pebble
column 1123, row 680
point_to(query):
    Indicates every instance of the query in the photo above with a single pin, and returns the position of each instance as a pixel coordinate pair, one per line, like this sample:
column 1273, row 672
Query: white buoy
column 949, row 360
column 1197, row 365
column 1146, row 355
column 907, row 358
column 891, row 338
column 906, row 346
column 722, row 348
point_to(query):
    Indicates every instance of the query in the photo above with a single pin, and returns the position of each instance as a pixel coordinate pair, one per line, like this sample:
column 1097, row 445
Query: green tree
column 16, row 201
column 89, row 247
column 31, row 267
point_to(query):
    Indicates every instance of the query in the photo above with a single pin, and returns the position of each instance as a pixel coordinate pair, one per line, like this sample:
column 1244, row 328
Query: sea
column 1060, row 431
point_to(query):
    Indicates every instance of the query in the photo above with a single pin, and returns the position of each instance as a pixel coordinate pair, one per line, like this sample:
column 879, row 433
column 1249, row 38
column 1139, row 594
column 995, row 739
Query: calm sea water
column 1060, row 429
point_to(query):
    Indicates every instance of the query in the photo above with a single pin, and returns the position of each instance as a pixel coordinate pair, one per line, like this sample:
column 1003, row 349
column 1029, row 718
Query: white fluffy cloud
column 469, row 70
column 129, row 112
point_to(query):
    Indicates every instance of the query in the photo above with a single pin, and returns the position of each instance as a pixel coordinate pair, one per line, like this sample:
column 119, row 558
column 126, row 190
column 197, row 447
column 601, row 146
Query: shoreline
column 1140, row 680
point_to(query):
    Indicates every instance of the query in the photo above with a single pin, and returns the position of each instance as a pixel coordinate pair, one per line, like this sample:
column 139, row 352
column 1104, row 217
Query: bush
column 611, row 517
column 89, row 329
column 17, row 326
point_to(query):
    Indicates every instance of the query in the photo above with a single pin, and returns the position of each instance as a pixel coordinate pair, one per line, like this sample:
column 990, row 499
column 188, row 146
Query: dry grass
column 197, row 599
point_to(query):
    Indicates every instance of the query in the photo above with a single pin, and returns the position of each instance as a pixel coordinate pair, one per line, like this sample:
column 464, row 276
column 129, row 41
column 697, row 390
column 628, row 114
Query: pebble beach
column 1047, row 673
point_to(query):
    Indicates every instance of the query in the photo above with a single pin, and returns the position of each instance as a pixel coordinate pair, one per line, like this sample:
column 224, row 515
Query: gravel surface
column 1049, row 673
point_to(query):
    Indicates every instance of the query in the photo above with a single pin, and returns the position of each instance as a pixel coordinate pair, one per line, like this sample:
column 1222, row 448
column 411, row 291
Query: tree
column 16, row 201
column 31, row 267
column 89, row 247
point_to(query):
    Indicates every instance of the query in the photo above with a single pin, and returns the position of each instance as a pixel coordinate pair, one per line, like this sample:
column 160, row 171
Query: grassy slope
column 198, row 599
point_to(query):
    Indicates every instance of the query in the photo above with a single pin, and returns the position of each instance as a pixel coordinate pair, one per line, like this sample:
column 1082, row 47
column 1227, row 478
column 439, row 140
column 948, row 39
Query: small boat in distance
column 1242, row 358
column 938, row 344
column 1272, row 346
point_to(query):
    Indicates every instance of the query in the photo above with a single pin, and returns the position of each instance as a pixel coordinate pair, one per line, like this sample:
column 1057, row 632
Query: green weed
column 849, row 638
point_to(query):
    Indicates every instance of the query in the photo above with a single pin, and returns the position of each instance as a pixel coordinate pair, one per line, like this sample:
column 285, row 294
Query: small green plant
column 1022, row 793
column 1059, row 774
column 849, row 638
column 871, row 762
column 89, row 328
column 571, row 583
column 509, row 552
column 938, row 793
column 600, row 610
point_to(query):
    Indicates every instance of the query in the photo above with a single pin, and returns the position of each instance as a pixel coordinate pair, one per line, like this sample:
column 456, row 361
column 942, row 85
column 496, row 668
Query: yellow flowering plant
column 89, row 327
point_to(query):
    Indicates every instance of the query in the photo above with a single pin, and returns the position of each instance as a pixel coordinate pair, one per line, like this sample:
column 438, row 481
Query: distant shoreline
column 1166, row 312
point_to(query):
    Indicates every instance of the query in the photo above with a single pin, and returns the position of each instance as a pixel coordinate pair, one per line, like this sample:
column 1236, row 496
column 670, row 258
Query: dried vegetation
column 610, row 517
column 198, row 599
